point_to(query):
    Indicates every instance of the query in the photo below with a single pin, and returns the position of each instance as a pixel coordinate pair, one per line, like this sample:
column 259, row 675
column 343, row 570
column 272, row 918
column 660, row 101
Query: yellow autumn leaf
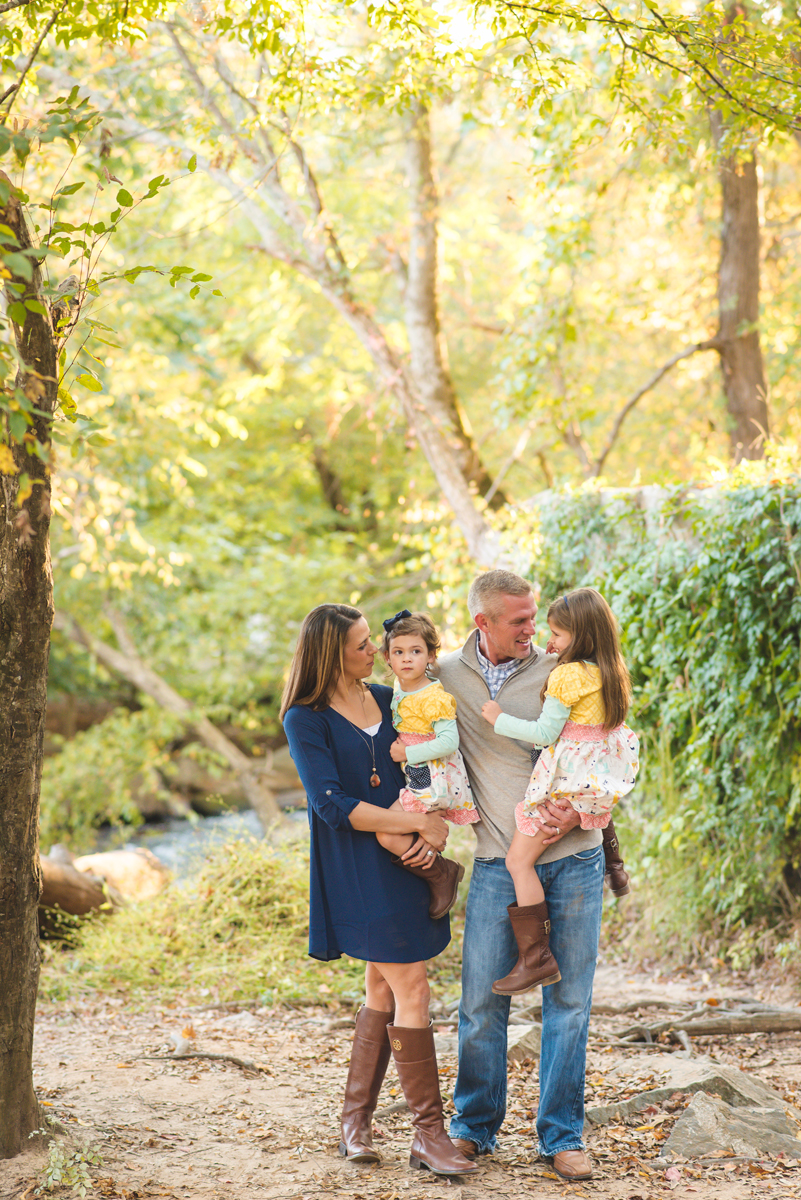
column 7, row 466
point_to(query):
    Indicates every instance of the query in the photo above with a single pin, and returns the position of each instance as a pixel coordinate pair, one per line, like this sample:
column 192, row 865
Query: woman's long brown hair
column 318, row 659
column 586, row 616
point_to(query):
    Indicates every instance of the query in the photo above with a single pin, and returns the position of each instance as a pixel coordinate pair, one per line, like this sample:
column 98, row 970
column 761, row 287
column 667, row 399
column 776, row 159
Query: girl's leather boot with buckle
column 536, row 966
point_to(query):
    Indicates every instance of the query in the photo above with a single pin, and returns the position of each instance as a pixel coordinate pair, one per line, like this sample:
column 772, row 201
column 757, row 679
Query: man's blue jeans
column 574, row 894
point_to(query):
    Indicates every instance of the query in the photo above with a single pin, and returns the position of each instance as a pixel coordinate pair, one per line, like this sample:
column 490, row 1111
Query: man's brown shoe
column 572, row 1165
column 467, row 1148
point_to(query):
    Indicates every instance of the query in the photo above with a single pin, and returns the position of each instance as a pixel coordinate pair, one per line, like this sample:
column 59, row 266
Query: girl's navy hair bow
column 391, row 622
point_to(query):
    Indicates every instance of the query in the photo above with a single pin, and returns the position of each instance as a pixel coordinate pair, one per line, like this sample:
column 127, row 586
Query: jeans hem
column 560, row 1149
column 487, row 1146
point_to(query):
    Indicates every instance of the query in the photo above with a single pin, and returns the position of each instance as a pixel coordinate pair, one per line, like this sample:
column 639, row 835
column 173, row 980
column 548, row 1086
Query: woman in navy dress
column 363, row 902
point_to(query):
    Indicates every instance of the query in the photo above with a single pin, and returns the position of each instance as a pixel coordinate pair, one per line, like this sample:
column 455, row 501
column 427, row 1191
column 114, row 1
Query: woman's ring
column 429, row 853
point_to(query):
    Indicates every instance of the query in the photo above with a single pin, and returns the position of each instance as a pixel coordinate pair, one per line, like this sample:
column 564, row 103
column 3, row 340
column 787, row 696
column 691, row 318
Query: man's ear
column 481, row 621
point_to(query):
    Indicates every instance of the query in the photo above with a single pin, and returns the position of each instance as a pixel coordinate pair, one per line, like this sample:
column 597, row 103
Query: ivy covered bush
column 706, row 584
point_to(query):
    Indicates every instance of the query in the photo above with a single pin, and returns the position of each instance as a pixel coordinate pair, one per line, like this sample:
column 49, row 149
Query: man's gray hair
column 486, row 590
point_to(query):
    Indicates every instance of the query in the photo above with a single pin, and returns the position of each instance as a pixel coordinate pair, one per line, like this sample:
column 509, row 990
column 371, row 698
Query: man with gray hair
column 499, row 661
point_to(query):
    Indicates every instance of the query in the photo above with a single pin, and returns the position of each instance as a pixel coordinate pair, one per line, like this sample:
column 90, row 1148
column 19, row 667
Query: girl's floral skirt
column 440, row 785
column 588, row 766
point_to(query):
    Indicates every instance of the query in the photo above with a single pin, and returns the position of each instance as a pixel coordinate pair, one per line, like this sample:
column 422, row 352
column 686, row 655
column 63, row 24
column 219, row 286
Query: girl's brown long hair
column 586, row 616
column 318, row 659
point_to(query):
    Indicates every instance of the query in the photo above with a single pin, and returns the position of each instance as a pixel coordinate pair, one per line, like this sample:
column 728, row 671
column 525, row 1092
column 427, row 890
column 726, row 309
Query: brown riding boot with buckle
column 443, row 878
column 416, row 1061
column 616, row 877
column 536, row 966
column 369, row 1059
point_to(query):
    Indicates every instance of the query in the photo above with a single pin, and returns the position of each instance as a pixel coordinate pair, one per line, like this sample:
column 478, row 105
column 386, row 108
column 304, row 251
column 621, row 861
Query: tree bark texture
column 423, row 328
column 26, row 610
column 128, row 665
column 744, row 381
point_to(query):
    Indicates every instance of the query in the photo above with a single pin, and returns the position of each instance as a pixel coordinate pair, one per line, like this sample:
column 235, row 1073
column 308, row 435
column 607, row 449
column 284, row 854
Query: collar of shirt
column 495, row 674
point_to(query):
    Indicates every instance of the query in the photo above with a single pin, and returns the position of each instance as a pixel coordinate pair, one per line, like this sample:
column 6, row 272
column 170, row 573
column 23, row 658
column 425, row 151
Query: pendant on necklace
column 375, row 780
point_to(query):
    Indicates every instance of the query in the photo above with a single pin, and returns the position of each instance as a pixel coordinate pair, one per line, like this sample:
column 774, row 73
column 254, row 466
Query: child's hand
column 398, row 751
column 550, row 648
column 491, row 711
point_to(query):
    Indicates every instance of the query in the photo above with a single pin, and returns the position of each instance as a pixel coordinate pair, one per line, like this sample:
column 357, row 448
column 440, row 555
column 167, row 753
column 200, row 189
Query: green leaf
column 68, row 405
column 89, row 381
column 216, row 292
column 194, row 291
column 124, row 198
column 191, row 166
column 17, row 312
column 19, row 264
column 201, row 278
column 36, row 306
column 70, row 189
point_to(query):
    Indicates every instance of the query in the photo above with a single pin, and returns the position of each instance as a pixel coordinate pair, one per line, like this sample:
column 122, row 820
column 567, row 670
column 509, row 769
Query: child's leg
column 523, row 854
column 396, row 843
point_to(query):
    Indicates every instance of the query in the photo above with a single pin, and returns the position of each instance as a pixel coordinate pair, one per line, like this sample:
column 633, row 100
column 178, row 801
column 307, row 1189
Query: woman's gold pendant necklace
column 375, row 778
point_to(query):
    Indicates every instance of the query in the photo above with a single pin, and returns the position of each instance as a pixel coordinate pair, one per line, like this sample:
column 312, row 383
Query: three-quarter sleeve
column 444, row 742
column 311, row 754
column 542, row 732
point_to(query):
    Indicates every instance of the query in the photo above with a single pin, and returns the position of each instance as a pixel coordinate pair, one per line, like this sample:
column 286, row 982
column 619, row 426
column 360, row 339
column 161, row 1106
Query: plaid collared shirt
column 495, row 676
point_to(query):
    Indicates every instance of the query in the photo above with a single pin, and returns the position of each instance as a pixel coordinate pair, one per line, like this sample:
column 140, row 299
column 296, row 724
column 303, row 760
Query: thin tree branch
column 4, row 8
column 709, row 344
column 16, row 90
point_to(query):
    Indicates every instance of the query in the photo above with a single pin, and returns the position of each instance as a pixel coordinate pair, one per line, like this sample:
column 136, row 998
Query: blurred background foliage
column 252, row 461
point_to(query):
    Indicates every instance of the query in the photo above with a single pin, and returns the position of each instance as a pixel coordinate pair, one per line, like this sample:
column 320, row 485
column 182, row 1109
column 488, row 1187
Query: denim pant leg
column 574, row 895
column 489, row 952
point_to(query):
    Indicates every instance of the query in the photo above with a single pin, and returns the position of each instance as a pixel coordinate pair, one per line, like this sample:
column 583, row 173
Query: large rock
column 710, row 1126
column 136, row 874
column 694, row 1075
column 523, row 1042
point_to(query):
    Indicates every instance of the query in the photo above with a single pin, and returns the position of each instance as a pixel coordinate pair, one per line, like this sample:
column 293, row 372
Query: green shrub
column 236, row 930
column 707, row 588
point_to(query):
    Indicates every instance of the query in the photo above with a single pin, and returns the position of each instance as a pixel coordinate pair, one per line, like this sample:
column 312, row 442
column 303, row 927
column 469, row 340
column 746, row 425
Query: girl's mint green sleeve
column 543, row 732
column 445, row 741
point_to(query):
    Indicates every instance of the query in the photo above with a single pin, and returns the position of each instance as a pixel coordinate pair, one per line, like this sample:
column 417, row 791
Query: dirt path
column 206, row 1129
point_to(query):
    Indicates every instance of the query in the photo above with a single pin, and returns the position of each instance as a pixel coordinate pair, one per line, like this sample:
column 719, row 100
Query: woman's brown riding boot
column 416, row 1060
column 536, row 966
column 442, row 877
column 369, row 1059
column 616, row 877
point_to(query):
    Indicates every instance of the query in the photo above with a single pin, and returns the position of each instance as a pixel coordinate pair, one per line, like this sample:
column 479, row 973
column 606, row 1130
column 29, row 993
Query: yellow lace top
column 416, row 712
column 578, row 687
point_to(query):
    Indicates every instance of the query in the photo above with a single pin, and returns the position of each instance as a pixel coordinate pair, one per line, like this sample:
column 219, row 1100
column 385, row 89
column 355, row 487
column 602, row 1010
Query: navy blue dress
column 361, row 903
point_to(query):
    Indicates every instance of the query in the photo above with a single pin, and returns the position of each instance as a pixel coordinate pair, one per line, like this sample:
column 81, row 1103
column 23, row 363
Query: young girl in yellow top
column 590, row 760
column 424, row 716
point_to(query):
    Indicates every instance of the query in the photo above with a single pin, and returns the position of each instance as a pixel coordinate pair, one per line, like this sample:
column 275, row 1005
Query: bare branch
column 12, row 93
column 4, row 8
column 709, row 344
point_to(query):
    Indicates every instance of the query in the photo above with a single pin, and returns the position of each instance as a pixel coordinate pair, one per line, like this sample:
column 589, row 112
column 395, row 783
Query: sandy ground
column 209, row 1129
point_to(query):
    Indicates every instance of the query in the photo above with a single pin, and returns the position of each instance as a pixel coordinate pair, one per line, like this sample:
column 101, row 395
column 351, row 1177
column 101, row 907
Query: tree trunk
column 744, row 383
column 426, row 345
column 741, row 362
column 130, row 666
column 26, row 610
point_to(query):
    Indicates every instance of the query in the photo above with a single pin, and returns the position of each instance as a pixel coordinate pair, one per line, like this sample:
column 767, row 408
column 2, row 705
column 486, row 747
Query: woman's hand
column 420, row 854
column 491, row 711
column 398, row 751
column 434, row 830
column 559, row 818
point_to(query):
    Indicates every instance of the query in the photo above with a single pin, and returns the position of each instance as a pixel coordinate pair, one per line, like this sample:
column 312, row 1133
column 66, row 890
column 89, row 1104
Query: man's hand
column 491, row 711
column 398, row 751
column 558, row 818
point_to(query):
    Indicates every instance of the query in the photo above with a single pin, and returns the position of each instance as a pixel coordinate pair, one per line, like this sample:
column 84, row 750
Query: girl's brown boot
column 536, row 966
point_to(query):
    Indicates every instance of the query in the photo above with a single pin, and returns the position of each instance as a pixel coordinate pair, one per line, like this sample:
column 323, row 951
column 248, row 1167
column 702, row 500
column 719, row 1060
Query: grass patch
column 238, row 930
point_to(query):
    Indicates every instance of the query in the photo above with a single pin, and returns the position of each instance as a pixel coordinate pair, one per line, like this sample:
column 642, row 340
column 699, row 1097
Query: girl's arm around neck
column 542, row 732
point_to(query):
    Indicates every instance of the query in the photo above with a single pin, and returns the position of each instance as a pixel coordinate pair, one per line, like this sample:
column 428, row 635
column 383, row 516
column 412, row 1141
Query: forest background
column 345, row 301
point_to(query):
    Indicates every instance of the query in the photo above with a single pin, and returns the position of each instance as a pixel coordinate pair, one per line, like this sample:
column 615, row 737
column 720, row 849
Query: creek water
column 184, row 845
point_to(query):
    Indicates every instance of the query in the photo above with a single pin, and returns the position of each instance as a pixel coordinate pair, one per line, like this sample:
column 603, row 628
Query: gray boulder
column 710, row 1126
